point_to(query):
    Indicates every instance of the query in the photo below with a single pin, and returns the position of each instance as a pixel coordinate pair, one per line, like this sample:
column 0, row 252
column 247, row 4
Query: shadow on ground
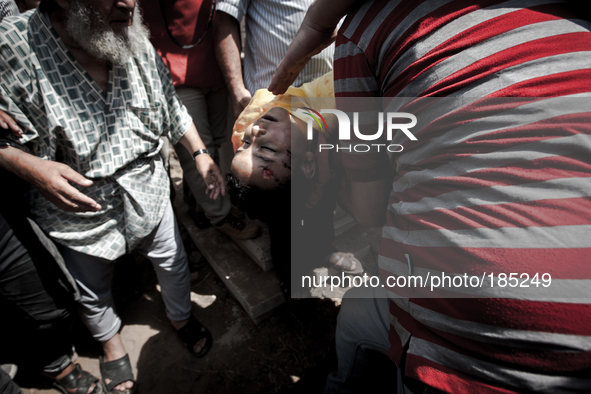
column 292, row 351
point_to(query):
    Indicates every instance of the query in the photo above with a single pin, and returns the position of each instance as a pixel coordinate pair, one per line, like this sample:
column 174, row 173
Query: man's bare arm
column 50, row 178
column 318, row 31
column 367, row 202
column 205, row 164
column 226, row 36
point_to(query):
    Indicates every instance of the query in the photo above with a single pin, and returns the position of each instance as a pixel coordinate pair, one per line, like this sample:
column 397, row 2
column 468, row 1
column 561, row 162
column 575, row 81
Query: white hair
column 88, row 28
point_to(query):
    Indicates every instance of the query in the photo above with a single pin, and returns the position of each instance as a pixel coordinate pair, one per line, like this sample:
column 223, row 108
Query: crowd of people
column 93, row 91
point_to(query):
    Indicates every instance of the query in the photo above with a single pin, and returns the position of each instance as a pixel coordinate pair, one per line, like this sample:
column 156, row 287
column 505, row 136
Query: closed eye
column 269, row 118
column 266, row 160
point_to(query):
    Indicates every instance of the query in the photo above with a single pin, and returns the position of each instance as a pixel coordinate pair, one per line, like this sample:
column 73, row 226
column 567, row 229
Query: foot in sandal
column 74, row 380
column 116, row 373
column 195, row 336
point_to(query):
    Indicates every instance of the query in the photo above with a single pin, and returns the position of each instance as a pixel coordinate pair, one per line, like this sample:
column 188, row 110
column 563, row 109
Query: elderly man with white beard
column 92, row 98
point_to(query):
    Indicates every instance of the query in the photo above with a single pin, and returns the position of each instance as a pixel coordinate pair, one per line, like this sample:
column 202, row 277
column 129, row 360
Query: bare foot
column 113, row 350
column 200, row 343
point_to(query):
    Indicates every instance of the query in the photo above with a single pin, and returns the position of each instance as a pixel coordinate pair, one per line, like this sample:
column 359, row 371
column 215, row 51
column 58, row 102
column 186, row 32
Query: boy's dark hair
column 265, row 205
column 47, row 5
column 281, row 209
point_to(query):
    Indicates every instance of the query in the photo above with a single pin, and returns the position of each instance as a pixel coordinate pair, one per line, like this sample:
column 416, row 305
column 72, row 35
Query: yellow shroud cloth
column 318, row 94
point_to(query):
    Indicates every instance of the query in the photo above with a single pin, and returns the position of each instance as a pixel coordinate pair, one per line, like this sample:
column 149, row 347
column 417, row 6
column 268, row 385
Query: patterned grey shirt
column 8, row 8
column 270, row 27
column 111, row 138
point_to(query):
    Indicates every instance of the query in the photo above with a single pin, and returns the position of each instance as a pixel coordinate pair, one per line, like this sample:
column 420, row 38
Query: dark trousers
column 34, row 306
column 312, row 233
column 7, row 386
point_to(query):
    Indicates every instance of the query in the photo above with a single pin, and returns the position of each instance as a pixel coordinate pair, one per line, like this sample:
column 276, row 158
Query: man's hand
column 212, row 175
column 6, row 122
column 50, row 178
column 367, row 202
column 240, row 102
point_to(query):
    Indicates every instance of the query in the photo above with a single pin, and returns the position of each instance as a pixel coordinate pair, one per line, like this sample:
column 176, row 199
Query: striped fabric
column 270, row 27
column 500, row 191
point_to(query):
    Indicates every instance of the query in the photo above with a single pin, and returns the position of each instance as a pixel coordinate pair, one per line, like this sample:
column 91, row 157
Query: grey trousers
column 164, row 248
column 209, row 109
column 362, row 325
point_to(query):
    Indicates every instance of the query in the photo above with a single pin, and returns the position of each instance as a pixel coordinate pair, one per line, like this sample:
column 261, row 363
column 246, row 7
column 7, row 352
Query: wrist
column 238, row 92
column 18, row 162
column 203, row 162
column 200, row 152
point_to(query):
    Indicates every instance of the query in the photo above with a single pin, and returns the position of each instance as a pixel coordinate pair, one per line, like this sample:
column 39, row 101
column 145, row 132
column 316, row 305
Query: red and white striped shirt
column 499, row 191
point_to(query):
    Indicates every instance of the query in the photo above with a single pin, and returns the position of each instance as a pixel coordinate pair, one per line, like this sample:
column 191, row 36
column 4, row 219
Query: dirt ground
column 292, row 351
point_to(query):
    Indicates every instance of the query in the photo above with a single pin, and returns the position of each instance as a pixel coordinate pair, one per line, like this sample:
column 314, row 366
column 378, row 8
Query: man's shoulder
column 234, row 8
column 14, row 35
column 281, row 7
column 149, row 56
column 15, row 26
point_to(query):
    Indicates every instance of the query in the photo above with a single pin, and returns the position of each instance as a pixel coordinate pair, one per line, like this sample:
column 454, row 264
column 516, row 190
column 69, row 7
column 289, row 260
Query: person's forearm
column 191, row 140
column 226, row 30
column 20, row 163
column 52, row 179
column 318, row 31
column 205, row 165
column 324, row 15
column 367, row 202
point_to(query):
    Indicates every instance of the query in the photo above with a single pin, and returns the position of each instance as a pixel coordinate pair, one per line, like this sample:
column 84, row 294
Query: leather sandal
column 78, row 379
column 117, row 371
column 193, row 332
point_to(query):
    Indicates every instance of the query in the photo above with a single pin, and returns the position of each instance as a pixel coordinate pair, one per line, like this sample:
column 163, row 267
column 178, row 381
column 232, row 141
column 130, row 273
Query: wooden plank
column 258, row 249
column 256, row 290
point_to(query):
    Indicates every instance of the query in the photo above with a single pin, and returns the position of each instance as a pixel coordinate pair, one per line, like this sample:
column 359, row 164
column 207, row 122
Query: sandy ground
column 292, row 351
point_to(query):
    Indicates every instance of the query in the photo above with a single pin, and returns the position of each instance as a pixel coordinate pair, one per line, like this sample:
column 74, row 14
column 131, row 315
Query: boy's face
column 264, row 158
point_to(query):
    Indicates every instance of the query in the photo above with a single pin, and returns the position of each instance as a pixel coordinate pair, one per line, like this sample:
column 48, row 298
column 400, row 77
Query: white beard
column 87, row 28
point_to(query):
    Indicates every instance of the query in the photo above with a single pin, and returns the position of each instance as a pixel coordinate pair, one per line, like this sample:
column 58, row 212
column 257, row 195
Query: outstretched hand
column 52, row 180
column 212, row 175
